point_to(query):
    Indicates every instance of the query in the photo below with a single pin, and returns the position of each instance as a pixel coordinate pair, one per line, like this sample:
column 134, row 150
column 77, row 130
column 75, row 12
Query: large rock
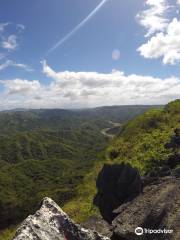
column 116, row 185
column 157, row 208
column 51, row 223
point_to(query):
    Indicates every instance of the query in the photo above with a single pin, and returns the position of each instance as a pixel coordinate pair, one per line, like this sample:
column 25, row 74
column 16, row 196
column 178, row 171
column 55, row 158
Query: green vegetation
column 141, row 143
column 40, row 164
column 7, row 234
column 50, row 153
column 81, row 207
column 59, row 153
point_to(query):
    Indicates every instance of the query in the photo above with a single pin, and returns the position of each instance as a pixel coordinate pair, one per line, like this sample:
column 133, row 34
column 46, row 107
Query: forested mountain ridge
column 48, row 153
column 22, row 120
column 35, row 134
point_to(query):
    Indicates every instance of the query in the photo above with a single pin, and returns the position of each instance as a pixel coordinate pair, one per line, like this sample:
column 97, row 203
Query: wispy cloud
column 9, row 43
column 10, row 63
column 9, row 40
column 20, row 27
column 80, row 25
column 2, row 26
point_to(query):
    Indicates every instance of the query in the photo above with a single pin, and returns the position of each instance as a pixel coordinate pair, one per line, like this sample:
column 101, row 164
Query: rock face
column 157, row 208
column 51, row 223
column 116, row 185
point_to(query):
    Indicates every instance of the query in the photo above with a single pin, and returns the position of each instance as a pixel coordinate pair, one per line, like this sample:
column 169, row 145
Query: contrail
column 80, row 25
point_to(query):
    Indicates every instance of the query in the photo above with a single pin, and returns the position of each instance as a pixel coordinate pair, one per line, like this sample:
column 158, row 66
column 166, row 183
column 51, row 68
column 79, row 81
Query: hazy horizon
column 83, row 108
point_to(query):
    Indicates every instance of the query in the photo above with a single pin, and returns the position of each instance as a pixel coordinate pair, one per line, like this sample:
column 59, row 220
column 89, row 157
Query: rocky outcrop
column 157, row 208
column 51, row 223
column 116, row 185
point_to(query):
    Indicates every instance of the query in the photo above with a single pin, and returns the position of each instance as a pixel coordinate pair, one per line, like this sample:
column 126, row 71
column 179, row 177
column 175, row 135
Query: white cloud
column 88, row 89
column 163, row 33
column 10, row 43
column 153, row 18
column 165, row 45
column 10, row 63
column 19, row 86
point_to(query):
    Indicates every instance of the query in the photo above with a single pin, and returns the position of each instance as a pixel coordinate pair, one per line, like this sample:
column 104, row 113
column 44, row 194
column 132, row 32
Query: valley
column 50, row 153
column 142, row 161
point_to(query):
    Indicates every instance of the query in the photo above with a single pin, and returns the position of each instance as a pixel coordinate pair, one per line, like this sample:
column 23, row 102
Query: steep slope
column 146, row 143
column 143, row 141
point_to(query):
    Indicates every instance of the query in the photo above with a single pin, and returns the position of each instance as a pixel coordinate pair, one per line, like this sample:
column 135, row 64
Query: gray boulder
column 51, row 223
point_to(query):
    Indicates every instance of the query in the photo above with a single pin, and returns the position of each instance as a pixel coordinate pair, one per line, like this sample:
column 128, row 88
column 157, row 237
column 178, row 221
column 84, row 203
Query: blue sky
column 128, row 52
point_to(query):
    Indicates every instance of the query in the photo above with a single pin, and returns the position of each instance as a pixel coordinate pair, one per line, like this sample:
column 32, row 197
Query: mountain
column 21, row 120
column 149, row 143
column 49, row 152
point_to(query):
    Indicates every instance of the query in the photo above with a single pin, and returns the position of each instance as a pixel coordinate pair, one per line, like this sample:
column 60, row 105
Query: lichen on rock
column 51, row 223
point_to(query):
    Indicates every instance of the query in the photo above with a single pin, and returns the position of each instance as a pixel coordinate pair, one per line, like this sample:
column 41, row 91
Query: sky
column 88, row 53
